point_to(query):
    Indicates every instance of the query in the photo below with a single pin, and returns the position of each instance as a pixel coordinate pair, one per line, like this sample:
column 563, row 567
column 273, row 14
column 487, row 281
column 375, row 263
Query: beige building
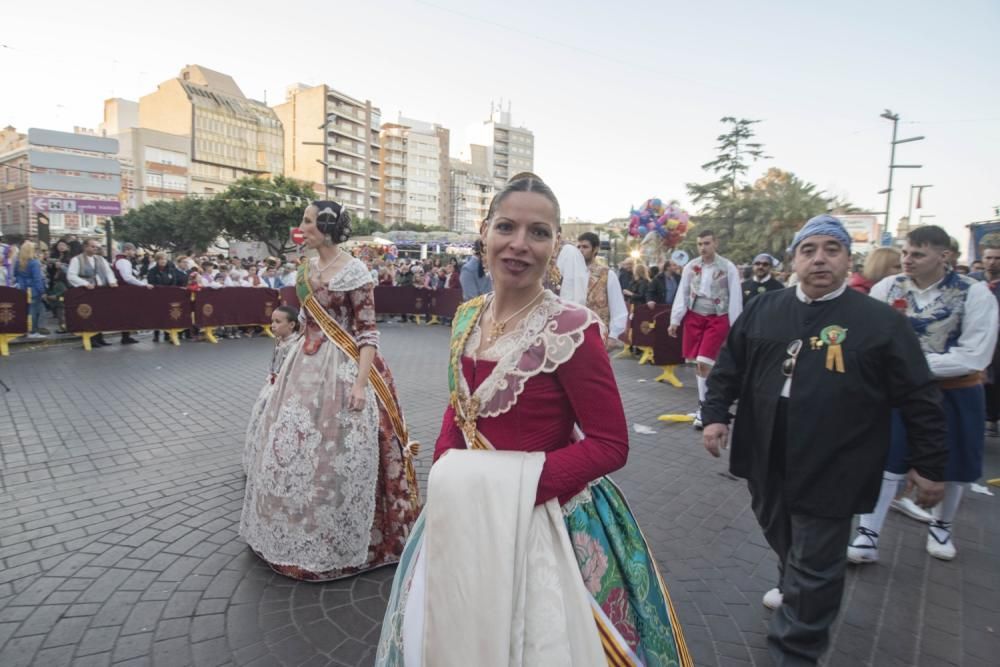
column 331, row 140
column 507, row 149
column 471, row 191
column 155, row 165
column 415, row 173
column 231, row 136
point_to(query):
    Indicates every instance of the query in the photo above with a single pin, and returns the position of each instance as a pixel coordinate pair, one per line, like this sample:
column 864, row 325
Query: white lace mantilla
column 353, row 276
column 545, row 339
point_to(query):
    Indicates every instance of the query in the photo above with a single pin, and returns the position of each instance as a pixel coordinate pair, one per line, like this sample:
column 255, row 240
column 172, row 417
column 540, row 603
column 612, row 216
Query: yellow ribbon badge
column 832, row 336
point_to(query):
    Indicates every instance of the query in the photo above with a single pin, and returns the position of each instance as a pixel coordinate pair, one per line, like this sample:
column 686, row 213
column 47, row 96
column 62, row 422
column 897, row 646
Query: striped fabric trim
column 343, row 340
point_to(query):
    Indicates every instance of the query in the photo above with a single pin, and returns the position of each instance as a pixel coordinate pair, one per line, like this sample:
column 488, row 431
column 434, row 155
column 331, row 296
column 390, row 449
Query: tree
column 722, row 201
column 183, row 226
column 734, row 151
column 263, row 210
column 366, row 227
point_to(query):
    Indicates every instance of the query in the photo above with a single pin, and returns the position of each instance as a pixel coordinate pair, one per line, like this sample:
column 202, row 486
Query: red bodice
column 581, row 391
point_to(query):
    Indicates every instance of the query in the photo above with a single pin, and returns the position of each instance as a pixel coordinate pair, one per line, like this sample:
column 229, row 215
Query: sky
column 624, row 98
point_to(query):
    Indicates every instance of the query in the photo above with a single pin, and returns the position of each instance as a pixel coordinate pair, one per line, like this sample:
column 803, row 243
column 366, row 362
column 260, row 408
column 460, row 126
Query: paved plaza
column 120, row 496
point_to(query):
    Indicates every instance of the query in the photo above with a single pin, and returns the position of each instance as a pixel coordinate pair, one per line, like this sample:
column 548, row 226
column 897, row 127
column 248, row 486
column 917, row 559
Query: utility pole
column 894, row 117
column 909, row 210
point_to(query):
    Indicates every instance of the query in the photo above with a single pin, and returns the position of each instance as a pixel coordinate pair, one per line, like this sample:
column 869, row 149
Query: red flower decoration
column 718, row 301
column 697, row 269
column 900, row 304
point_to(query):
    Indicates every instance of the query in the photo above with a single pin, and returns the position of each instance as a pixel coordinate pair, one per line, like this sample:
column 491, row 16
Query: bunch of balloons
column 668, row 223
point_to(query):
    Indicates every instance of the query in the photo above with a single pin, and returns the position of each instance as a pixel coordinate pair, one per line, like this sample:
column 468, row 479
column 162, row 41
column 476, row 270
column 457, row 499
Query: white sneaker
column 35, row 335
column 773, row 598
column 906, row 506
column 939, row 544
column 698, row 425
column 864, row 548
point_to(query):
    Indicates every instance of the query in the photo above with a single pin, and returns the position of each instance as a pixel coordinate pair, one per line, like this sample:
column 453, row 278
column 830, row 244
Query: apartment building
column 331, row 140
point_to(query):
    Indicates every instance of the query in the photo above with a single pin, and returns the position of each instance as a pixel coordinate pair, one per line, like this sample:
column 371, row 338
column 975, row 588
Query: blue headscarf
column 822, row 225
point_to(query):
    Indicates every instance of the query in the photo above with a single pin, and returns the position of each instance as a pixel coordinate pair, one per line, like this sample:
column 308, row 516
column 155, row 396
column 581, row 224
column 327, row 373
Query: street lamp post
column 909, row 210
column 894, row 117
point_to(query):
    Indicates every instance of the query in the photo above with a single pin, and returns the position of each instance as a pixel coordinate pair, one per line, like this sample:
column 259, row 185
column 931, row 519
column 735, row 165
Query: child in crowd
column 285, row 327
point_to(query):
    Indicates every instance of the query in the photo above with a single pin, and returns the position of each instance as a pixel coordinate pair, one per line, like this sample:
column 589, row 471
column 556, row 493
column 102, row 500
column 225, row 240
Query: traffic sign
column 298, row 237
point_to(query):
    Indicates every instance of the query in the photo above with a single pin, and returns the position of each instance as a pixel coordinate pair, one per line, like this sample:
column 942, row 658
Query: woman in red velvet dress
column 529, row 373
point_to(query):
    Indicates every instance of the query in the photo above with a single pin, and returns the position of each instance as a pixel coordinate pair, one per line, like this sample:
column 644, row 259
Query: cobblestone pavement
column 121, row 489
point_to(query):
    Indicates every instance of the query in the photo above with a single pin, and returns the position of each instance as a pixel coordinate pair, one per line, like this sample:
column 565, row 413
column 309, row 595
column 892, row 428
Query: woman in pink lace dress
column 330, row 490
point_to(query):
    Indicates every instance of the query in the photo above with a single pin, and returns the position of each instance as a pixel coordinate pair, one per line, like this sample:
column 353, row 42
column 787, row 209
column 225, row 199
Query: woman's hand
column 356, row 401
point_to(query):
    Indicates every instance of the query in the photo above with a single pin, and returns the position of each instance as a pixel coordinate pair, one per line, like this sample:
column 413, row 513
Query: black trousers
column 812, row 563
column 992, row 401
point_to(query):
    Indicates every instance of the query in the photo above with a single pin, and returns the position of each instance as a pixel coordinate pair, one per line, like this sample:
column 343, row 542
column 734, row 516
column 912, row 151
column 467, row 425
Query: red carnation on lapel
column 697, row 269
column 900, row 304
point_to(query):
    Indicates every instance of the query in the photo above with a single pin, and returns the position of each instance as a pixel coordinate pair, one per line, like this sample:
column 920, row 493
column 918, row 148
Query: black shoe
column 129, row 341
column 156, row 336
column 100, row 342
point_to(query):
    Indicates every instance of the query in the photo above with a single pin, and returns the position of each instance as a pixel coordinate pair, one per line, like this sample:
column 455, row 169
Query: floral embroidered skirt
column 326, row 492
column 629, row 601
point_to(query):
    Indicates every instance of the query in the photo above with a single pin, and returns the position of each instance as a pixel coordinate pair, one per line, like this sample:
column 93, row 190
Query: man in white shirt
column 573, row 273
column 955, row 318
column 125, row 273
column 90, row 270
column 708, row 301
column 604, row 292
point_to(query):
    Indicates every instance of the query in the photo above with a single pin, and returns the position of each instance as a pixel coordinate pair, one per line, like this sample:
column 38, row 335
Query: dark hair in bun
column 333, row 220
column 524, row 182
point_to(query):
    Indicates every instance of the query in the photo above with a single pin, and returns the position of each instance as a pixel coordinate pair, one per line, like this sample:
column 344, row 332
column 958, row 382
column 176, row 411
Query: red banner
column 444, row 302
column 235, row 306
column 13, row 311
column 289, row 297
column 644, row 324
column 127, row 308
column 666, row 350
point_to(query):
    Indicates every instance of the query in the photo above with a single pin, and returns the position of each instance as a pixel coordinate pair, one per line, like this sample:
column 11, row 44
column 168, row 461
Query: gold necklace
column 497, row 328
column 321, row 269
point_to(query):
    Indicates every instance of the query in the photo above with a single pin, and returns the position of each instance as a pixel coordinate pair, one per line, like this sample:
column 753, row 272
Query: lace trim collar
column 353, row 276
column 546, row 339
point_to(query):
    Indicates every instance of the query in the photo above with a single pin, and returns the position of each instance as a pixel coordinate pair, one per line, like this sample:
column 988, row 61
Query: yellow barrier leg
column 87, row 335
column 5, row 343
column 669, row 376
column 419, row 319
column 434, row 320
column 209, row 333
column 626, row 353
column 647, row 355
column 267, row 331
column 994, row 482
column 175, row 335
column 676, row 419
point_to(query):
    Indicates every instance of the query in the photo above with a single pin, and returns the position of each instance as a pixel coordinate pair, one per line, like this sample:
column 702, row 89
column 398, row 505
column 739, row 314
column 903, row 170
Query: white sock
column 890, row 484
column 702, row 389
column 946, row 510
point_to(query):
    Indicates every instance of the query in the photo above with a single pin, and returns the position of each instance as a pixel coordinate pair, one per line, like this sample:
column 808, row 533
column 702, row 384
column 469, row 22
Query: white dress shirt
column 974, row 351
column 103, row 275
column 575, row 275
column 127, row 273
column 680, row 306
column 616, row 306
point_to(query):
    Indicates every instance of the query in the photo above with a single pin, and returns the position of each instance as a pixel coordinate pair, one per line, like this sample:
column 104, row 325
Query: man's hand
column 651, row 305
column 89, row 286
column 715, row 437
column 672, row 331
column 150, row 286
column 929, row 493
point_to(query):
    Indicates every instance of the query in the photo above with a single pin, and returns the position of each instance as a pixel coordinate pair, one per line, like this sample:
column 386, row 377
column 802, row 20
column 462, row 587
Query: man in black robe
column 762, row 280
column 817, row 370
